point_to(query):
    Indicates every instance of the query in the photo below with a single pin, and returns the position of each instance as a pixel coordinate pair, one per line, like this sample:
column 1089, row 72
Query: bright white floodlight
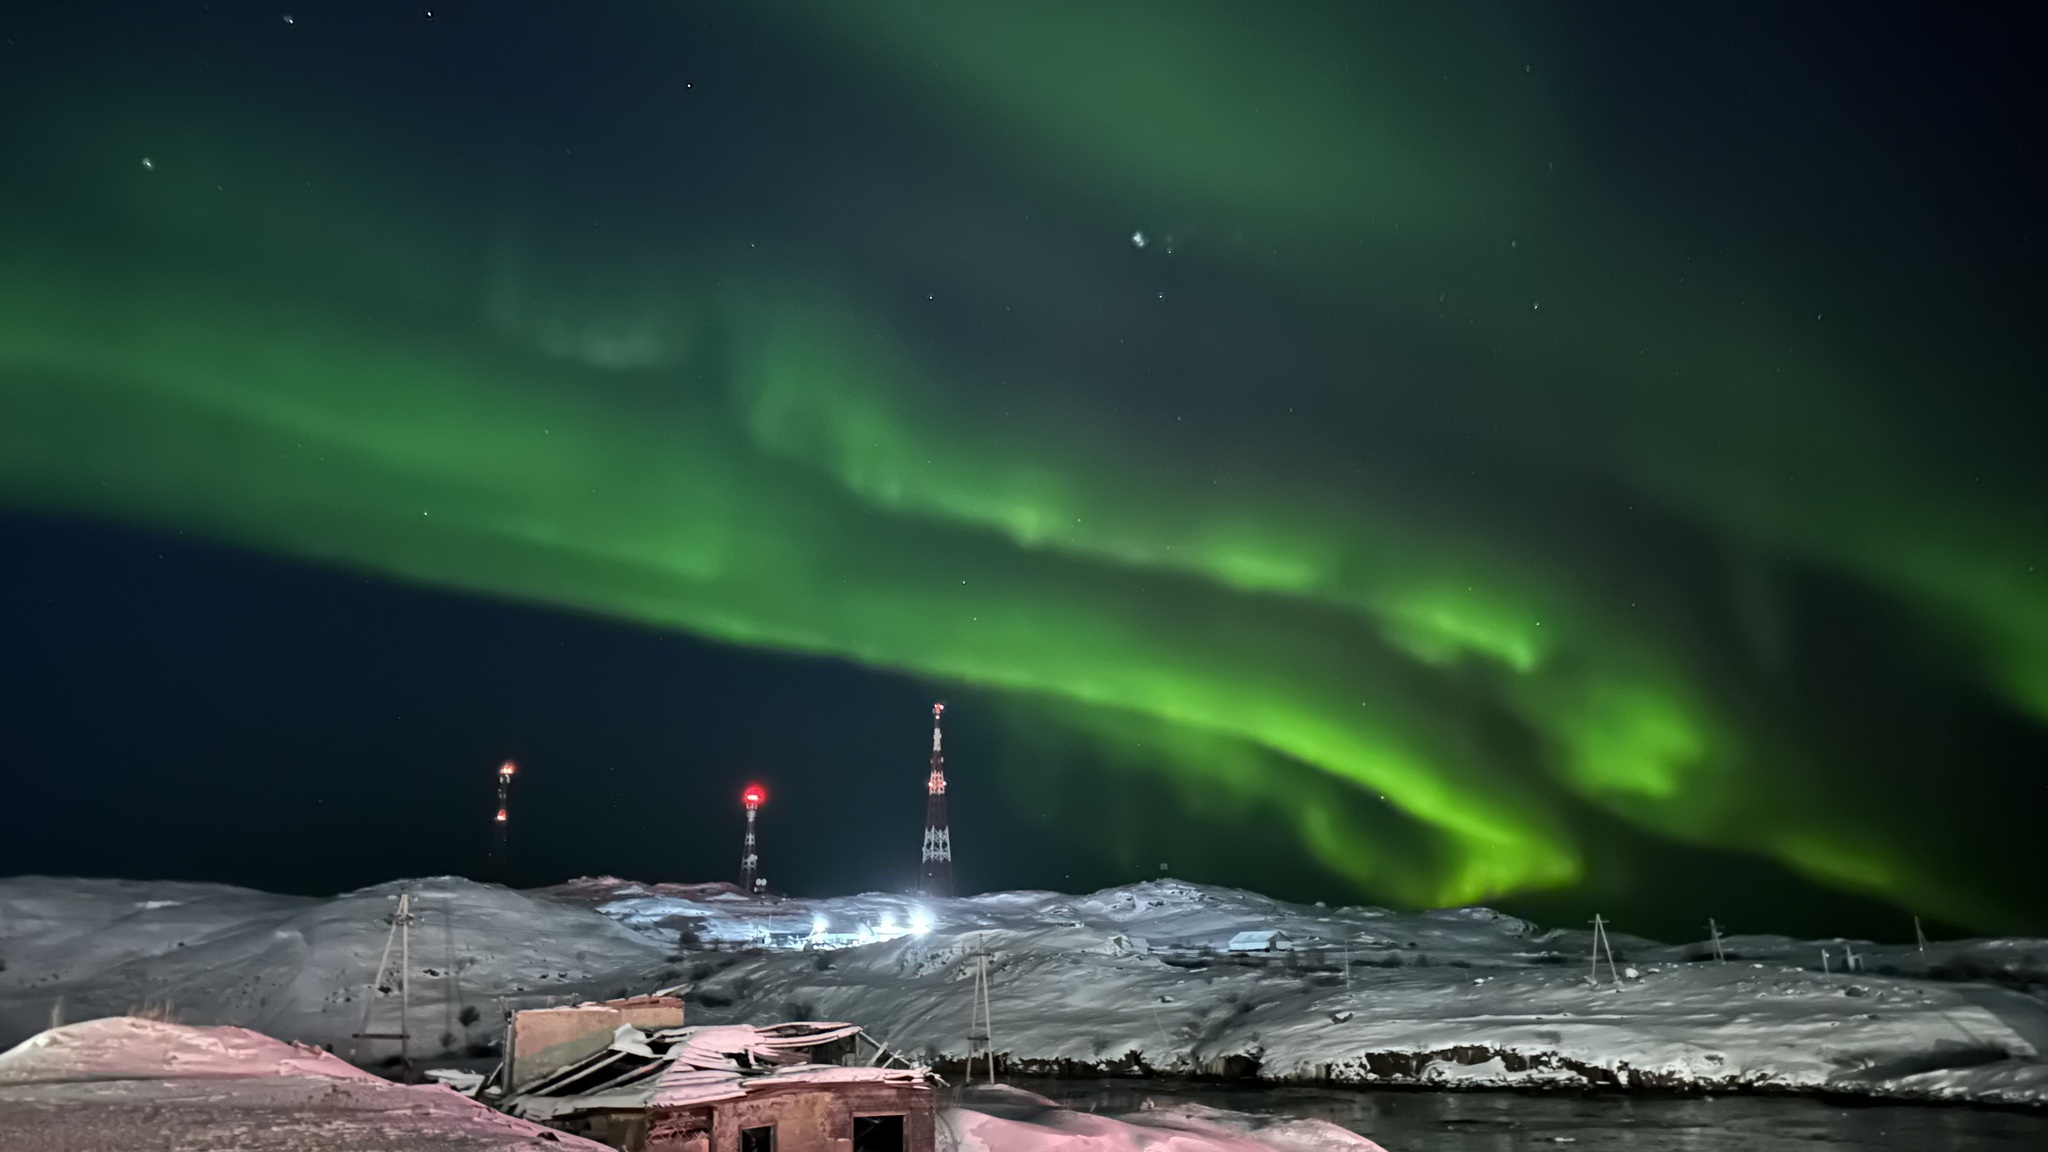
column 920, row 921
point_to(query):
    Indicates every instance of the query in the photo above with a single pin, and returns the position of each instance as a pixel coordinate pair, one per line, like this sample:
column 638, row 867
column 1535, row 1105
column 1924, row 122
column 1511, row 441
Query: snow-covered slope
column 1133, row 980
column 1129, row 979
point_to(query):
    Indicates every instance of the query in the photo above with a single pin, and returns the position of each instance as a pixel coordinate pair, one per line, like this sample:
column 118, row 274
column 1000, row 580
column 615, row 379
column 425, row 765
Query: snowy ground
column 1125, row 980
column 143, row 1086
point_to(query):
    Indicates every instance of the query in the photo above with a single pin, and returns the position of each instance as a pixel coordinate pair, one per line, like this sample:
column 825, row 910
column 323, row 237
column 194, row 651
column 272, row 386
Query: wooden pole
column 980, row 1028
column 1600, row 942
column 370, row 994
column 400, row 934
column 405, row 984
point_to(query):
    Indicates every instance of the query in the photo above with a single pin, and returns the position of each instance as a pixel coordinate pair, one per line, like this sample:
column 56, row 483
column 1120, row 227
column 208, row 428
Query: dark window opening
column 760, row 1139
column 878, row 1134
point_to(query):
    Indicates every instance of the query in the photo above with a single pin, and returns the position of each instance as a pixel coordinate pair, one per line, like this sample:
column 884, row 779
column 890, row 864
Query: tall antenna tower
column 504, row 834
column 750, row 861
column 935, row 863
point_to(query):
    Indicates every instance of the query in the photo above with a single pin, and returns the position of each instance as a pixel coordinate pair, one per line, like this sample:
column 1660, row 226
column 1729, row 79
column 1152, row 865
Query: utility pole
column 980, row 1038
column 1600, row 943
column 401, row 934
column 1919, row 937
column 1714, row 931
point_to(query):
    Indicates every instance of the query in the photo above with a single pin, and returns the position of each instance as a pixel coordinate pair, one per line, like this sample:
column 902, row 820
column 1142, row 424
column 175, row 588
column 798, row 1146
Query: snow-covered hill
column 299, row 968
column 1131, row 979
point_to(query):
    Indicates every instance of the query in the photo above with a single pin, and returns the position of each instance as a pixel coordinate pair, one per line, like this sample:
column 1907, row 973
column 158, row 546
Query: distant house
column 797, row 1087
column 1267, row 940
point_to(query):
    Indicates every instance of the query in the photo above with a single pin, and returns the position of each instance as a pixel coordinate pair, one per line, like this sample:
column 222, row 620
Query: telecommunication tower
column 750, row 861
column 505, row 772
column 935, row 864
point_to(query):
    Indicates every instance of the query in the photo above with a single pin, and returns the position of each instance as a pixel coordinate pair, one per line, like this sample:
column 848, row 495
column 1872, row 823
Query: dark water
column 1512, row 1122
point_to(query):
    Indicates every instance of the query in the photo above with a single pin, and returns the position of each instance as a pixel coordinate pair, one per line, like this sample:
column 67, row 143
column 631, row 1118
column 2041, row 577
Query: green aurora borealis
column 1442, row 437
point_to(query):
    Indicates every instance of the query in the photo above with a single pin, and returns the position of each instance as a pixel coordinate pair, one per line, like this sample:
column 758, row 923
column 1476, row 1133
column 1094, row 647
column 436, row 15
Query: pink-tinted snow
column 1021, row 1122
column 147, row 1086
column 132, row 1048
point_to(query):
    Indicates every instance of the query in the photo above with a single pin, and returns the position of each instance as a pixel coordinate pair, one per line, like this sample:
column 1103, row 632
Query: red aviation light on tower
column 501, row 855
column 505, row 772
column 751, row 883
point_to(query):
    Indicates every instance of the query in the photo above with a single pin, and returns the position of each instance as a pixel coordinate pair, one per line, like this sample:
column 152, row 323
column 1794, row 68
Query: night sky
column 1567, row 457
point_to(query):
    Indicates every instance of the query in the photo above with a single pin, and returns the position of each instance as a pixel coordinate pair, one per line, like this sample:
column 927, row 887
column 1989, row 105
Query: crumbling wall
column 806, row 1118
column 544, row 1040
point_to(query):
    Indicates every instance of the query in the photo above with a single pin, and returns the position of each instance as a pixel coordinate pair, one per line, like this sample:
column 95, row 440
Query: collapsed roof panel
column 686, row 1067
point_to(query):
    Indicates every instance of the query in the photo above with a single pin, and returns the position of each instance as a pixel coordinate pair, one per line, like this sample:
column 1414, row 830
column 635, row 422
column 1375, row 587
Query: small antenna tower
column 1714, row 931
column 503, row 826
column 751, row 881
column 1602, row 944
column 979, row 1039
column 401, row 934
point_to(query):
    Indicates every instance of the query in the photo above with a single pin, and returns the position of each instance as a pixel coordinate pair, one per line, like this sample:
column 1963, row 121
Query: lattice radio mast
column 503, row 850
column 751, row 881
column 935, row 861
